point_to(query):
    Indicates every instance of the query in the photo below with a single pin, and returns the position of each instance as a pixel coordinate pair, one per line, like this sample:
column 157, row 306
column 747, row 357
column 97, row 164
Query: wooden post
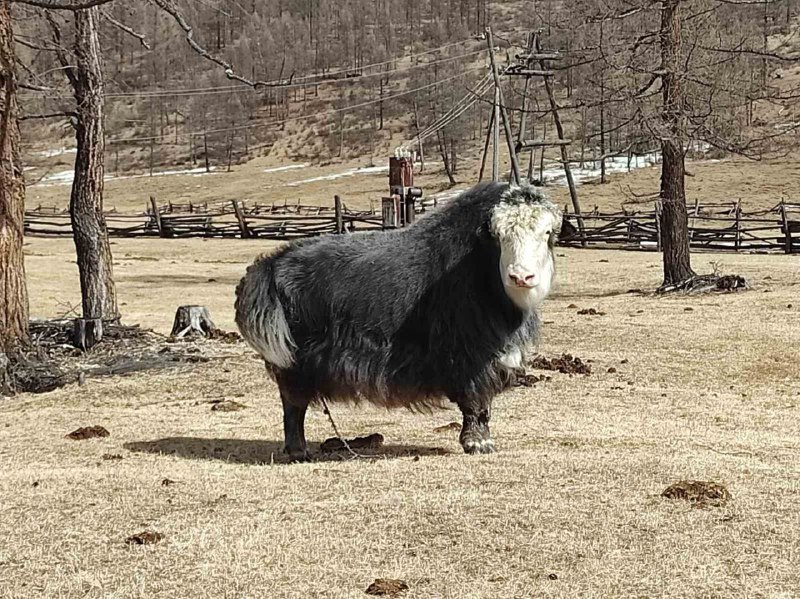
column 787, row 233
column 243, row 228
column 573, row 193
column 157, row 216
column 499, row 96
column 658, row 226
column 694, row 218
column 486, row 145
column 523, row 114
column 337, row 206
column 496, row 135
column 738, row 242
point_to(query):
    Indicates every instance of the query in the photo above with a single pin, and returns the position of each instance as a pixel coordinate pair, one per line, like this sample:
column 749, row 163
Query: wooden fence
column 225, row 219
column 714, row 227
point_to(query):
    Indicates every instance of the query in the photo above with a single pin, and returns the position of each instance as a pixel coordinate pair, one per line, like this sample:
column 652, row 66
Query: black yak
column 442, row 309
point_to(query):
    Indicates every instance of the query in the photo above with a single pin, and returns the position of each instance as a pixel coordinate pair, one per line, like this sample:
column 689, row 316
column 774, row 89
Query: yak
column 441, row 310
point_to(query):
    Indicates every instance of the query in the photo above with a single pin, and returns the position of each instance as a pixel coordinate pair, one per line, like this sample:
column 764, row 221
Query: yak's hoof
column 297, row 455
column 474, row 446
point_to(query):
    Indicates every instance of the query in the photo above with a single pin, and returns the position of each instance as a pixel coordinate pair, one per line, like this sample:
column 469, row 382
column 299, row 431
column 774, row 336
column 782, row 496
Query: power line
column 455, row 112
column 219, row 90
column 304, row 117
column 324, row 79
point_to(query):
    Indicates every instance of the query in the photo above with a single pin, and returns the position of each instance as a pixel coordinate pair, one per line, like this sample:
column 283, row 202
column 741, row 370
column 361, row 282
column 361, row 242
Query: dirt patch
column 565, row 364
column 699, row 493
column 224, row 336
column 373, row 441
column 87, row 432
column 445, row 428
column 387, row 587
column 226, row 405
column 524, row 379
column 148, row 537
column 112, row 457
column 591, row 312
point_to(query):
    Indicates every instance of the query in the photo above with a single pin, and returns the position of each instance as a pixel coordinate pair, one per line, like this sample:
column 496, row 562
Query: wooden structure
column 712, row 227
column 398, row 208
column 535, row 63
column 230, row 219
column 718, row 227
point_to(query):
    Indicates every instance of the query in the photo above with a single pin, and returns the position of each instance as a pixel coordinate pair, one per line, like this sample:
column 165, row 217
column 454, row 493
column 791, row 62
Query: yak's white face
column 526, row 232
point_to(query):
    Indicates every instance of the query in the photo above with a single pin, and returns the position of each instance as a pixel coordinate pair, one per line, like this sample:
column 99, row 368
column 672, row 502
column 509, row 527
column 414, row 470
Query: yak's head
column 526, row 225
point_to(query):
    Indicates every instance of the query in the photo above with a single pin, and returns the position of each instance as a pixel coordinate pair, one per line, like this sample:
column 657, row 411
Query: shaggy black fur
column 398, row 318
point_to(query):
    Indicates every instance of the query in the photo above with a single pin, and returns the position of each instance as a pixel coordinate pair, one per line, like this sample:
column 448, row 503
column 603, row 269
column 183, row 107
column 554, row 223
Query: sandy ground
column 705, row 388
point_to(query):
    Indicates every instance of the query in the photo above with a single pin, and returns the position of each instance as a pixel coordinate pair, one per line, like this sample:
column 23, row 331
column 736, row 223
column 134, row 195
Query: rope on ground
column 336, row 432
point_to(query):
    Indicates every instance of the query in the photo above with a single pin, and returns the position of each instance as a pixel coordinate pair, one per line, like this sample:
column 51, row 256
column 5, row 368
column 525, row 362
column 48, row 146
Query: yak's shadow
column 252, row 451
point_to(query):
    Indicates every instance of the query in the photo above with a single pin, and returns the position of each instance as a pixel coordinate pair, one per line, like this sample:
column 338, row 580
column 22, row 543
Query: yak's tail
column 260, row 315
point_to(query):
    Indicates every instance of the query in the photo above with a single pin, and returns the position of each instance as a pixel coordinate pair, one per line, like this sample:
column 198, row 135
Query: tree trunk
column 445, row 160
column 98, row 291
column 13, row 292
column 674, row 220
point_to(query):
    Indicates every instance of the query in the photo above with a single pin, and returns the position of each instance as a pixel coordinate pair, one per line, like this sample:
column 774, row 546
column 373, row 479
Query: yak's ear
column 484, row 234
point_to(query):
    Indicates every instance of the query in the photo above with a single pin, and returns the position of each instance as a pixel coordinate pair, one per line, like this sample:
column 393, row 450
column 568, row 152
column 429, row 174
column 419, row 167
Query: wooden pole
column 337, row 206
column 245, row 231
column 499, row 96
column 658, row 226
column 573, row 193
column 694, row 218
column 738, row 242
column 157, row 216
column 524, row 114
column 486, row 145
column 496, row 135
column 787, row 239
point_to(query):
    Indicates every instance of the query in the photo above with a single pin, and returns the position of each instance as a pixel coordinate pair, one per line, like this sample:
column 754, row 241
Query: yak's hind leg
column 295, row 400
column 475, row 437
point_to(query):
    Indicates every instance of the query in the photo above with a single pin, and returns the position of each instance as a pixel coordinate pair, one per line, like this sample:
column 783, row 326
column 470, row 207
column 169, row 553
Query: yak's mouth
column 520, row 284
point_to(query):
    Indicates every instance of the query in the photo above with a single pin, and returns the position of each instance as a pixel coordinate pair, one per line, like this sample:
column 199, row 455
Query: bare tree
column 14, row 296
column 674, row 221
column 84, row 72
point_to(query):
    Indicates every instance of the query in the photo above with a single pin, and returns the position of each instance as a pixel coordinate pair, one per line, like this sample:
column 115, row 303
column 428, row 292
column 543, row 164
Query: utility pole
column 502, row 109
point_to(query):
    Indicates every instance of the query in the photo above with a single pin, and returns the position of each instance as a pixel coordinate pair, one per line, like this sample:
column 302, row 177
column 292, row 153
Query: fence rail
column 714, row 227
column 718, row 227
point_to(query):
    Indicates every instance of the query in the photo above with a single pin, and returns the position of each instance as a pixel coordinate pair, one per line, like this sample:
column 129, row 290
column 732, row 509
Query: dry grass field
column 757, row 184
column 702, row 388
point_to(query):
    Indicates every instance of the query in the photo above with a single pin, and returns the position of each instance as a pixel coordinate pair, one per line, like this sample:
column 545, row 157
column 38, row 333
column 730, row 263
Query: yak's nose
column 522, row 278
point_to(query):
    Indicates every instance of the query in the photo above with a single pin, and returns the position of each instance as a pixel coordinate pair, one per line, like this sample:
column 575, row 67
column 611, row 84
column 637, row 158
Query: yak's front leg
column 475, row 437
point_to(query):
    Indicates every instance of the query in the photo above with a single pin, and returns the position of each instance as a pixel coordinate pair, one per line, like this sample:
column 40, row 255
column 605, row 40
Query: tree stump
column 192, row 320
column 87, row 332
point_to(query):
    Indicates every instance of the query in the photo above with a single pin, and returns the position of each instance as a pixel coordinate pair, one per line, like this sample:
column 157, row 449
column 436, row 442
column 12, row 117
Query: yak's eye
column 549, row 233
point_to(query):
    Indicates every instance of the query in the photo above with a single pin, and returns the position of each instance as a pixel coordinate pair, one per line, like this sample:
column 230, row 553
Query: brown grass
column 758, row 185
column 570, row 506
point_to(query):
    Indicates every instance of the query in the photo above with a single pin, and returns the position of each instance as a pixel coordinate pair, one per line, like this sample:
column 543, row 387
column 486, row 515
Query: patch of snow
column 55, row 152
column 616, row 164
column 277, row 169
column 364, row 170
column 59, row 178
column 66, row 177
